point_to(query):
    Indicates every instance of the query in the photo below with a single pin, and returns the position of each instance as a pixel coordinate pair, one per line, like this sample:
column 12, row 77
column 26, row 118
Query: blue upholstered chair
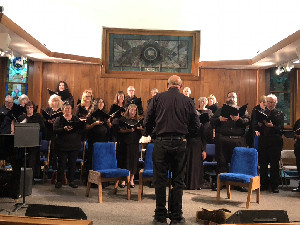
column 105, row 169
column 44, row 157
column 146, row 174
column 243, row 173
column 81, row 159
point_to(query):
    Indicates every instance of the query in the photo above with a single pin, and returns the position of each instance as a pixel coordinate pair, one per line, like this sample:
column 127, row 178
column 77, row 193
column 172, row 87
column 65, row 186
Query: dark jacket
column 68, row 140
column 230, row 127
column 136, row 101
column 171, row 112
column 277, row 118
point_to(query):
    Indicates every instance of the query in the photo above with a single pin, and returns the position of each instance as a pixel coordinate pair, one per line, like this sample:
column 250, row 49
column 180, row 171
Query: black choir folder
column 47, row 116
column 261, row 117
column 297, row 131
column 204, row 118
column 99, row 114
column 132, row 123
column 228, row 110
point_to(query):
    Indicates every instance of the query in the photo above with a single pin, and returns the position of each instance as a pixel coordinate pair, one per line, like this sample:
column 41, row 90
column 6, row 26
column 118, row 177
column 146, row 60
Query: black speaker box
column 6, row 182
column 258, row 216
column 28, row 181
column 54, row 211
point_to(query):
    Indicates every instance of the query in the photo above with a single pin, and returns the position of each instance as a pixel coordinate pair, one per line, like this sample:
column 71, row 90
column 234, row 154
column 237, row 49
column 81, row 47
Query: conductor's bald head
column 174, row 81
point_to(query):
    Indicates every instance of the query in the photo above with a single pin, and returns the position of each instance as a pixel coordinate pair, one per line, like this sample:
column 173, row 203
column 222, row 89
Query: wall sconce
column 279, row 70
column 289, row 66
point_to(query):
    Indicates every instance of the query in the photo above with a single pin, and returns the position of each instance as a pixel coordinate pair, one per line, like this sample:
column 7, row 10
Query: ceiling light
column 278, row 71
column 289, row 66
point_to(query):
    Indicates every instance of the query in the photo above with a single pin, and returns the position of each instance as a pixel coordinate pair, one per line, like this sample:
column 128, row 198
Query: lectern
column 26, row 135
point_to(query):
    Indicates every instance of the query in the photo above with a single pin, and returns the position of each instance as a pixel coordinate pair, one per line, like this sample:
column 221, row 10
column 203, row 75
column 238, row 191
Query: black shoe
column 263, row 188
column 132, row 186
column 275, row 190
column 73, row 185
column 58, row 185
column 121, row 185
column 296, row 189
column 214, row 187
column 241, row 189
column 159, row 221
column 178, row 221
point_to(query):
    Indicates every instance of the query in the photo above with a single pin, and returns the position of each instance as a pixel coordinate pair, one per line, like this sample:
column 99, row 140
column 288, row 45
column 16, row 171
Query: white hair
column 272, row 96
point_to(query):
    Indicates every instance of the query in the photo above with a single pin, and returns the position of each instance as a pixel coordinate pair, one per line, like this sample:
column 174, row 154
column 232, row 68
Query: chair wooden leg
column 128, row 188
column 257, row 195
column 100, row 191
column 116, row 187
column 88, row 187
column 249, row 196
column 228, row 191
column 140, row 188
column 81, row 174
column 218, row 189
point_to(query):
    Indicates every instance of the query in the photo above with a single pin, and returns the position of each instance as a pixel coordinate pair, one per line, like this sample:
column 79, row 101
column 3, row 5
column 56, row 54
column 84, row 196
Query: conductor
column 169, row 118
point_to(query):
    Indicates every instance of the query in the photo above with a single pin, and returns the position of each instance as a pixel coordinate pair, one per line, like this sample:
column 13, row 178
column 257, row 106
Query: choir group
column 123, row 123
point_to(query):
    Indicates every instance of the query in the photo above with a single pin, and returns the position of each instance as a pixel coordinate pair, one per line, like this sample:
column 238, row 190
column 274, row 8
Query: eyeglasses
column 29, row 107
column 271, row 102
column 9, row 102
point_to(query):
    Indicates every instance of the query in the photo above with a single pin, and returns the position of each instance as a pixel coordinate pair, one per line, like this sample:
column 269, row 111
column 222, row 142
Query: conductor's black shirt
column 171, row 112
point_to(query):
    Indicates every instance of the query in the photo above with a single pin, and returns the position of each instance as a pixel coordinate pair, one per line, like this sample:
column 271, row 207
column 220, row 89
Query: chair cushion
column 104, row 156
column 148, row 157
column 148, row 173
column 109, row 173
column 236, row 177
column 244, row 161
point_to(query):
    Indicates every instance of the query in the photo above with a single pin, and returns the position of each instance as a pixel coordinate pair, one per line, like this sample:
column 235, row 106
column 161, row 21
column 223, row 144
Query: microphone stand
column 23, row 204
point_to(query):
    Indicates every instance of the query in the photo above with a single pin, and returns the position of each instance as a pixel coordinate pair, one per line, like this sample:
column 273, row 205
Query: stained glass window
column 280, row 86
column 17, row 78
column 150, row 53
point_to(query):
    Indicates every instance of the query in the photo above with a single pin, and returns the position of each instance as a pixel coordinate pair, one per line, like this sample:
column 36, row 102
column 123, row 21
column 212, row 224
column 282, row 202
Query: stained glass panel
column 16, row 90
column 152, row 53
column 17, row 70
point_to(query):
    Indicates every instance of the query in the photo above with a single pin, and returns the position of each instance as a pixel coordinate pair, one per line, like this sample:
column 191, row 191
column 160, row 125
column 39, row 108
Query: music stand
column 26, row 135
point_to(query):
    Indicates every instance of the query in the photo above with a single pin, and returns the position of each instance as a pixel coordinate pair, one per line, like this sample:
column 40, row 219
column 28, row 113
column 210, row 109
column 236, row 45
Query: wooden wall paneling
column 261, row 83
column 3, row 75
column 145, row 92
column 297, row 93
column 211, row 81
column 35, row 81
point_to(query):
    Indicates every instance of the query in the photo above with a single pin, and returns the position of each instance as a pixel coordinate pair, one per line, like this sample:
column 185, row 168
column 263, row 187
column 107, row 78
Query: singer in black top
column 33, row 158
column 62, row 90
column 270, row 144
column 169, row 118
column 230, row 132
column 97, row 125
column 130, row 132
column 132, row 99
column 252, row 132
column 68, row 129
column 50, row 114
column 6, row 118
column 296, row 129
column 85, row 107
column 212, row 103
column 116, row 111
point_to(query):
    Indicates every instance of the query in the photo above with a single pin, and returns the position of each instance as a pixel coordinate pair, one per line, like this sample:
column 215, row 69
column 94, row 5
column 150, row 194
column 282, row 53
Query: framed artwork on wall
column 145, row 52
